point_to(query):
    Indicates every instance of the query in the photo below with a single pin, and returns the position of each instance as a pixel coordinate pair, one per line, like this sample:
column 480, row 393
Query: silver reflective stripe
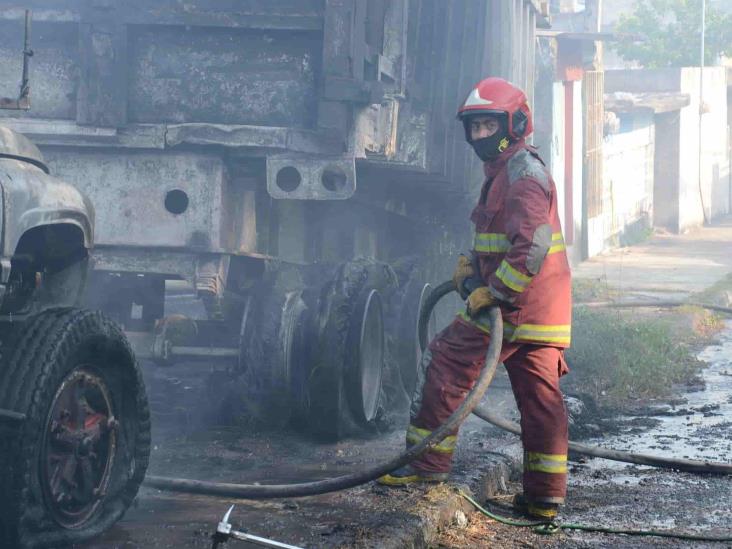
column 540, row 244
column 424, row 364
column 512, row 278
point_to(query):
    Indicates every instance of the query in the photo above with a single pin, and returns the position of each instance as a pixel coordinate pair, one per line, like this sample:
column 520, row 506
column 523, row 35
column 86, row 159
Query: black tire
column 83, row 354
column 272, row 356
column 330, row 415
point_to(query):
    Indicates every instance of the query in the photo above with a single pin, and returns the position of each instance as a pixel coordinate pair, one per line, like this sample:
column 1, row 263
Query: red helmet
column 497, row 96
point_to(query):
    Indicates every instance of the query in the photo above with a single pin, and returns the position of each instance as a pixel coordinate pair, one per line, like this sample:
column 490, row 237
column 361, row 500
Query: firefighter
column 518, row 262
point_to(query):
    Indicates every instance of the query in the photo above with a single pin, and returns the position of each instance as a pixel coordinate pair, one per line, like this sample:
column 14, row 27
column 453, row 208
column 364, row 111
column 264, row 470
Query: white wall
column 628, row 158
column 556, row 157
column 714, row 191
column 557, row 162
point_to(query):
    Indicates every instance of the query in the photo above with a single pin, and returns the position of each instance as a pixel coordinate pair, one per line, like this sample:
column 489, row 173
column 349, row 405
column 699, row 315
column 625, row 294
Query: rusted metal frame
column 507, row 38
column 351, row 90
column 374, row 21
column 297, row 15
column 438, row 46
column 172, row 263
column 23, row 100
column 472, row 41
column 454, row 58
column 405, row 49
column 358, row 40
column 258, row 22
column 102, row 96
column 489, row 63
column 519, row 37
column 159, row 136
column 411, row 58
column 478, row 70
column 245, row 136
column 531, row 58
column 334, row 115
column 419, row 86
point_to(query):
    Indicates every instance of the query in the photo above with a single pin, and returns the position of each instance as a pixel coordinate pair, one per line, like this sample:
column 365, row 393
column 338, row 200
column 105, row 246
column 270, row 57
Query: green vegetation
column 670, row 33
column 617, row 356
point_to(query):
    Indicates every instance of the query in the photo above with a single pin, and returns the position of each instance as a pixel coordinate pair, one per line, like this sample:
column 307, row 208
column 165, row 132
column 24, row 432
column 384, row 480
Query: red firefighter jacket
column 520, row 248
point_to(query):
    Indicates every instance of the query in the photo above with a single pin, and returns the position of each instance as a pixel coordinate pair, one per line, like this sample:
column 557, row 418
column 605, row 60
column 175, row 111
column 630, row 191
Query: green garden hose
column 554, row 527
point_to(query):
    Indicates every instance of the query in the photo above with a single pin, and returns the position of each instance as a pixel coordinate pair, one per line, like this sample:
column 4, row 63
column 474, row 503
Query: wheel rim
column 370, row 357
column 79, row 447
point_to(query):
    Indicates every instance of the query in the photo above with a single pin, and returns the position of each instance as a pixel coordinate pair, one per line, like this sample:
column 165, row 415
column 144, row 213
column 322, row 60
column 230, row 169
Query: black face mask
column 488, row 148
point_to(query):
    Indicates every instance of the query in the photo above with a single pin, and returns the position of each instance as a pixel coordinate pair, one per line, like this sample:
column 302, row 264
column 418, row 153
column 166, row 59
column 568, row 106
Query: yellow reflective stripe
column 508, row 328
column 549, row 333
column 415, row 435
column 545, row 333
column 545, row 463
column 499, row 243
column 512, row 278
column 557, row 244
column 491, row 243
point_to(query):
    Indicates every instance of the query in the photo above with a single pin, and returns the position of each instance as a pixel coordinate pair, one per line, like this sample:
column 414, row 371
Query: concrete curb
column 442, row 502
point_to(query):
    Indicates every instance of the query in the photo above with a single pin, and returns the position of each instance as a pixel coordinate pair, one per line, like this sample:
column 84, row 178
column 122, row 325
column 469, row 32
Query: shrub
column 623, row 355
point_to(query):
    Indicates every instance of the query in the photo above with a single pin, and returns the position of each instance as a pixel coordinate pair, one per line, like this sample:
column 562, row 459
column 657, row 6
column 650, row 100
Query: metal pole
column 701, row 107
column 27, row 53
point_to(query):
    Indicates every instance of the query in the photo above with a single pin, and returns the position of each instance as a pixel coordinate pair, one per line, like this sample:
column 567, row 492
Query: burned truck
column 74, row 423
column 276, row 182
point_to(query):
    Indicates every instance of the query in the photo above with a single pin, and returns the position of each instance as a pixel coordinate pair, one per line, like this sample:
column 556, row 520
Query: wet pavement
column 632, row 496
column 618, row 495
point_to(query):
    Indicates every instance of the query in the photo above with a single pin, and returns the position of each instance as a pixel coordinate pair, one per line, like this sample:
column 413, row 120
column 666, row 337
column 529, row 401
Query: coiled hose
column 690, row 465
column 256, row 491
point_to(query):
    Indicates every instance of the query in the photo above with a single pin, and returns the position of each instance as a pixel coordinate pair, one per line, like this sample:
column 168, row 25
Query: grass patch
column 620, row 355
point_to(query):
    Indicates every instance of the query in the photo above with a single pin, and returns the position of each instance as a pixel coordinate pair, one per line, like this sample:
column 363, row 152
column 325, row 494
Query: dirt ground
column 363, row 517
column 373, row 516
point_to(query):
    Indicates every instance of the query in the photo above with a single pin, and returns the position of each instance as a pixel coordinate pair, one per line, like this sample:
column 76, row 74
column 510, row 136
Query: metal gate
column 592, row 92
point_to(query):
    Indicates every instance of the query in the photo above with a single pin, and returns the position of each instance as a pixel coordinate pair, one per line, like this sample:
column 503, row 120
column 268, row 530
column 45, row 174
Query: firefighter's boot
column 536, row 509
column 408, row 475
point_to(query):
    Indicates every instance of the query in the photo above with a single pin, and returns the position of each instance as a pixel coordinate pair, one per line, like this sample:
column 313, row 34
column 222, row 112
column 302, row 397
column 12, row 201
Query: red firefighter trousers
column 451, row 365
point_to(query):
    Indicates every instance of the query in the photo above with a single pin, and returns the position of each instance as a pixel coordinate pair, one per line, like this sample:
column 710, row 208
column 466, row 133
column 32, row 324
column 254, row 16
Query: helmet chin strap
column 488, row 148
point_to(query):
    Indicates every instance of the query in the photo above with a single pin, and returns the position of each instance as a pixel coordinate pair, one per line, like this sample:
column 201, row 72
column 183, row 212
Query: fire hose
column 470, row 405
column 689, row 465
column 256, row 491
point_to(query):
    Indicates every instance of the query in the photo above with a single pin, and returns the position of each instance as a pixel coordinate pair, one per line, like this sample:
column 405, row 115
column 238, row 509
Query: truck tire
column 77, row 459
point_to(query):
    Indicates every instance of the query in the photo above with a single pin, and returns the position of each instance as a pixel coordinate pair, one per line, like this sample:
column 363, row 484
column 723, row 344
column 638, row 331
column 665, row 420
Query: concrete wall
column 680, row 206
column 666, row 172
column 714, row 193
column 628, row 174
